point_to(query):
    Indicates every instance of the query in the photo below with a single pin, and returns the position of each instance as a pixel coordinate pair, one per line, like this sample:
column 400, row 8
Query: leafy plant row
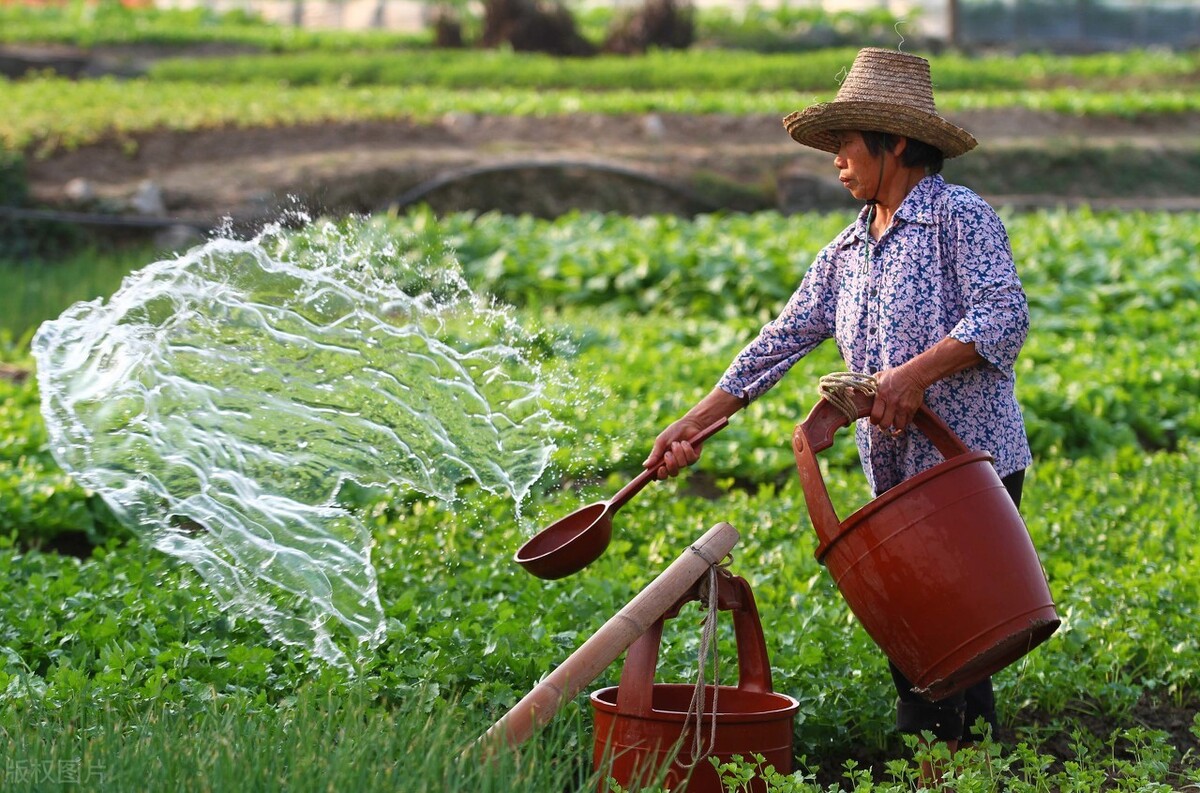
column 132, row 630
column 476, row 69
column 48, row 113
column 110, row 23
column 128, row 641
column 1089, row 277
column 325, row 52
column 704, row 70
column 107, row 24
column 703, row 287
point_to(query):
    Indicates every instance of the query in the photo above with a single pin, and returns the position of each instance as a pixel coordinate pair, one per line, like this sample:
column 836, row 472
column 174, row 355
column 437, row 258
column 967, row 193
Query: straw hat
column 885, row 91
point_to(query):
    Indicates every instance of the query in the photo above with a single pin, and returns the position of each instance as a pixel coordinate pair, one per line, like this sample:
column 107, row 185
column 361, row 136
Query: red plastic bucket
column 643, row 726
column 940, row 570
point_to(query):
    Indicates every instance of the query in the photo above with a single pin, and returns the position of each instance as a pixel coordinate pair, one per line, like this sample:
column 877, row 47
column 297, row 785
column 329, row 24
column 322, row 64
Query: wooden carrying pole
column 584, row 665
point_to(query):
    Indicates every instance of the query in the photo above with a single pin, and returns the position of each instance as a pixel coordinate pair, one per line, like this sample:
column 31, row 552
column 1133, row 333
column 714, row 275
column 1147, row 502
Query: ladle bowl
column 572, row 543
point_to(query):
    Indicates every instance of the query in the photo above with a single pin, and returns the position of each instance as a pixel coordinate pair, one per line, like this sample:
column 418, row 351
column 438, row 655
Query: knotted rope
column 835, row 389
column 708, row 639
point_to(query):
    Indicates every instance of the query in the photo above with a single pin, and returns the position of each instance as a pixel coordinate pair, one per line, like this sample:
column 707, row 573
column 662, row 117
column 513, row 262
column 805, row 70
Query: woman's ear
column 900, row 145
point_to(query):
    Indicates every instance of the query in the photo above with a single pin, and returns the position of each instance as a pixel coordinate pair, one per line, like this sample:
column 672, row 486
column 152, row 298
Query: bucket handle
column 815, row 434
column 636, row 688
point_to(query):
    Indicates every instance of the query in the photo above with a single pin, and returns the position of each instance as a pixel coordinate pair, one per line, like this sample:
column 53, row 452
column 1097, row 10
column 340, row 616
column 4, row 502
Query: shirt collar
column 917, row 207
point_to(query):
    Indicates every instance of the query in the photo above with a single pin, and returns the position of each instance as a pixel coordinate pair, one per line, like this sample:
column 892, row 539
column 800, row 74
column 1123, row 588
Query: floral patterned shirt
column 943, row 268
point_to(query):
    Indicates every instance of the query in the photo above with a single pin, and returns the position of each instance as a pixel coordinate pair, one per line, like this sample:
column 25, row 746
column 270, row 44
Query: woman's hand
column 672, row 451
column 900, row 392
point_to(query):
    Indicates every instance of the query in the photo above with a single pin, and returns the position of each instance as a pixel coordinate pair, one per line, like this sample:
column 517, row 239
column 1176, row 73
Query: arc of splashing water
column 219, row 401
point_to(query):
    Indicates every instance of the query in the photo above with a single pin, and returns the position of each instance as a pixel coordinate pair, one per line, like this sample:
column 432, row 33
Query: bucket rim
column 787, row 707
column 901, row 490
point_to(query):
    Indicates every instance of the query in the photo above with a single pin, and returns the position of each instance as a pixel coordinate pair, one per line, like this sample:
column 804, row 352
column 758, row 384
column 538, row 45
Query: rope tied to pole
column 835, row 389
column 708, row 640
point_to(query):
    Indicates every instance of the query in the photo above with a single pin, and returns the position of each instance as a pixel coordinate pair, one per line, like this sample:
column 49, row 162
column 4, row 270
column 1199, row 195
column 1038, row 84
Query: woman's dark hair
column 917, row 154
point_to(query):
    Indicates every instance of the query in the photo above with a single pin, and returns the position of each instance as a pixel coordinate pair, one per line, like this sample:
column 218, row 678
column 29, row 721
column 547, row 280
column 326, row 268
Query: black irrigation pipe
column 408, row 198
column 96, row 219
column 415, row 194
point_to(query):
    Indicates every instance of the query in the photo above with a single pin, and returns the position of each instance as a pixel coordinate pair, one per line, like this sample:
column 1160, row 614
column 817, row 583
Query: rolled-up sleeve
column 997, row 312
column 806, row 321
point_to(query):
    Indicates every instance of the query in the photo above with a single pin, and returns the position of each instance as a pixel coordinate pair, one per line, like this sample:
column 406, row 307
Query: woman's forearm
column 716, row 405
column 949, row 356
column 672, row 451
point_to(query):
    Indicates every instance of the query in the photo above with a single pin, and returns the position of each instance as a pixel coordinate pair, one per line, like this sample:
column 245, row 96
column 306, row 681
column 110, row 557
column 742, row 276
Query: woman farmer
column 920, row 290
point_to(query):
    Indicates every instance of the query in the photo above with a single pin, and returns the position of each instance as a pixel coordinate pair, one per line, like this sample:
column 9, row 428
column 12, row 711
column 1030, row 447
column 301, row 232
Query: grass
column 426, row 745
column 48, row 285
column 237, row 743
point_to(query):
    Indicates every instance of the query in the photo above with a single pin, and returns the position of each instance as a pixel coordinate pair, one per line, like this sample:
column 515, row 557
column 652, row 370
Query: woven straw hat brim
column 815, row 125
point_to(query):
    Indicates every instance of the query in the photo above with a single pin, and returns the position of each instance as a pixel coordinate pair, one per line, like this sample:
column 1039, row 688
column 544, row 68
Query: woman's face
column 858, row 169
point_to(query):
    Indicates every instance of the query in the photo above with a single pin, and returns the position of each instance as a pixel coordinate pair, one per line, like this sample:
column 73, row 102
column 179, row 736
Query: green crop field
column 50, row 113
column 118, row 664
column 120, row 671
column 332, row 84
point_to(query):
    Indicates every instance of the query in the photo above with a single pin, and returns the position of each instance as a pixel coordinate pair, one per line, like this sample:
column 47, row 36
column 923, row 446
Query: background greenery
column 647, row 313
column 118, row 671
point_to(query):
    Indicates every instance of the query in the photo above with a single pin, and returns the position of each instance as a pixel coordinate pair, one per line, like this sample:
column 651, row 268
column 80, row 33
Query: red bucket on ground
column 644, row 728
column 940, row 570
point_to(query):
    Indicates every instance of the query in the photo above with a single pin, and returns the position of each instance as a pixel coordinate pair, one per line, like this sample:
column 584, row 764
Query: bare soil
column 633, row 163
